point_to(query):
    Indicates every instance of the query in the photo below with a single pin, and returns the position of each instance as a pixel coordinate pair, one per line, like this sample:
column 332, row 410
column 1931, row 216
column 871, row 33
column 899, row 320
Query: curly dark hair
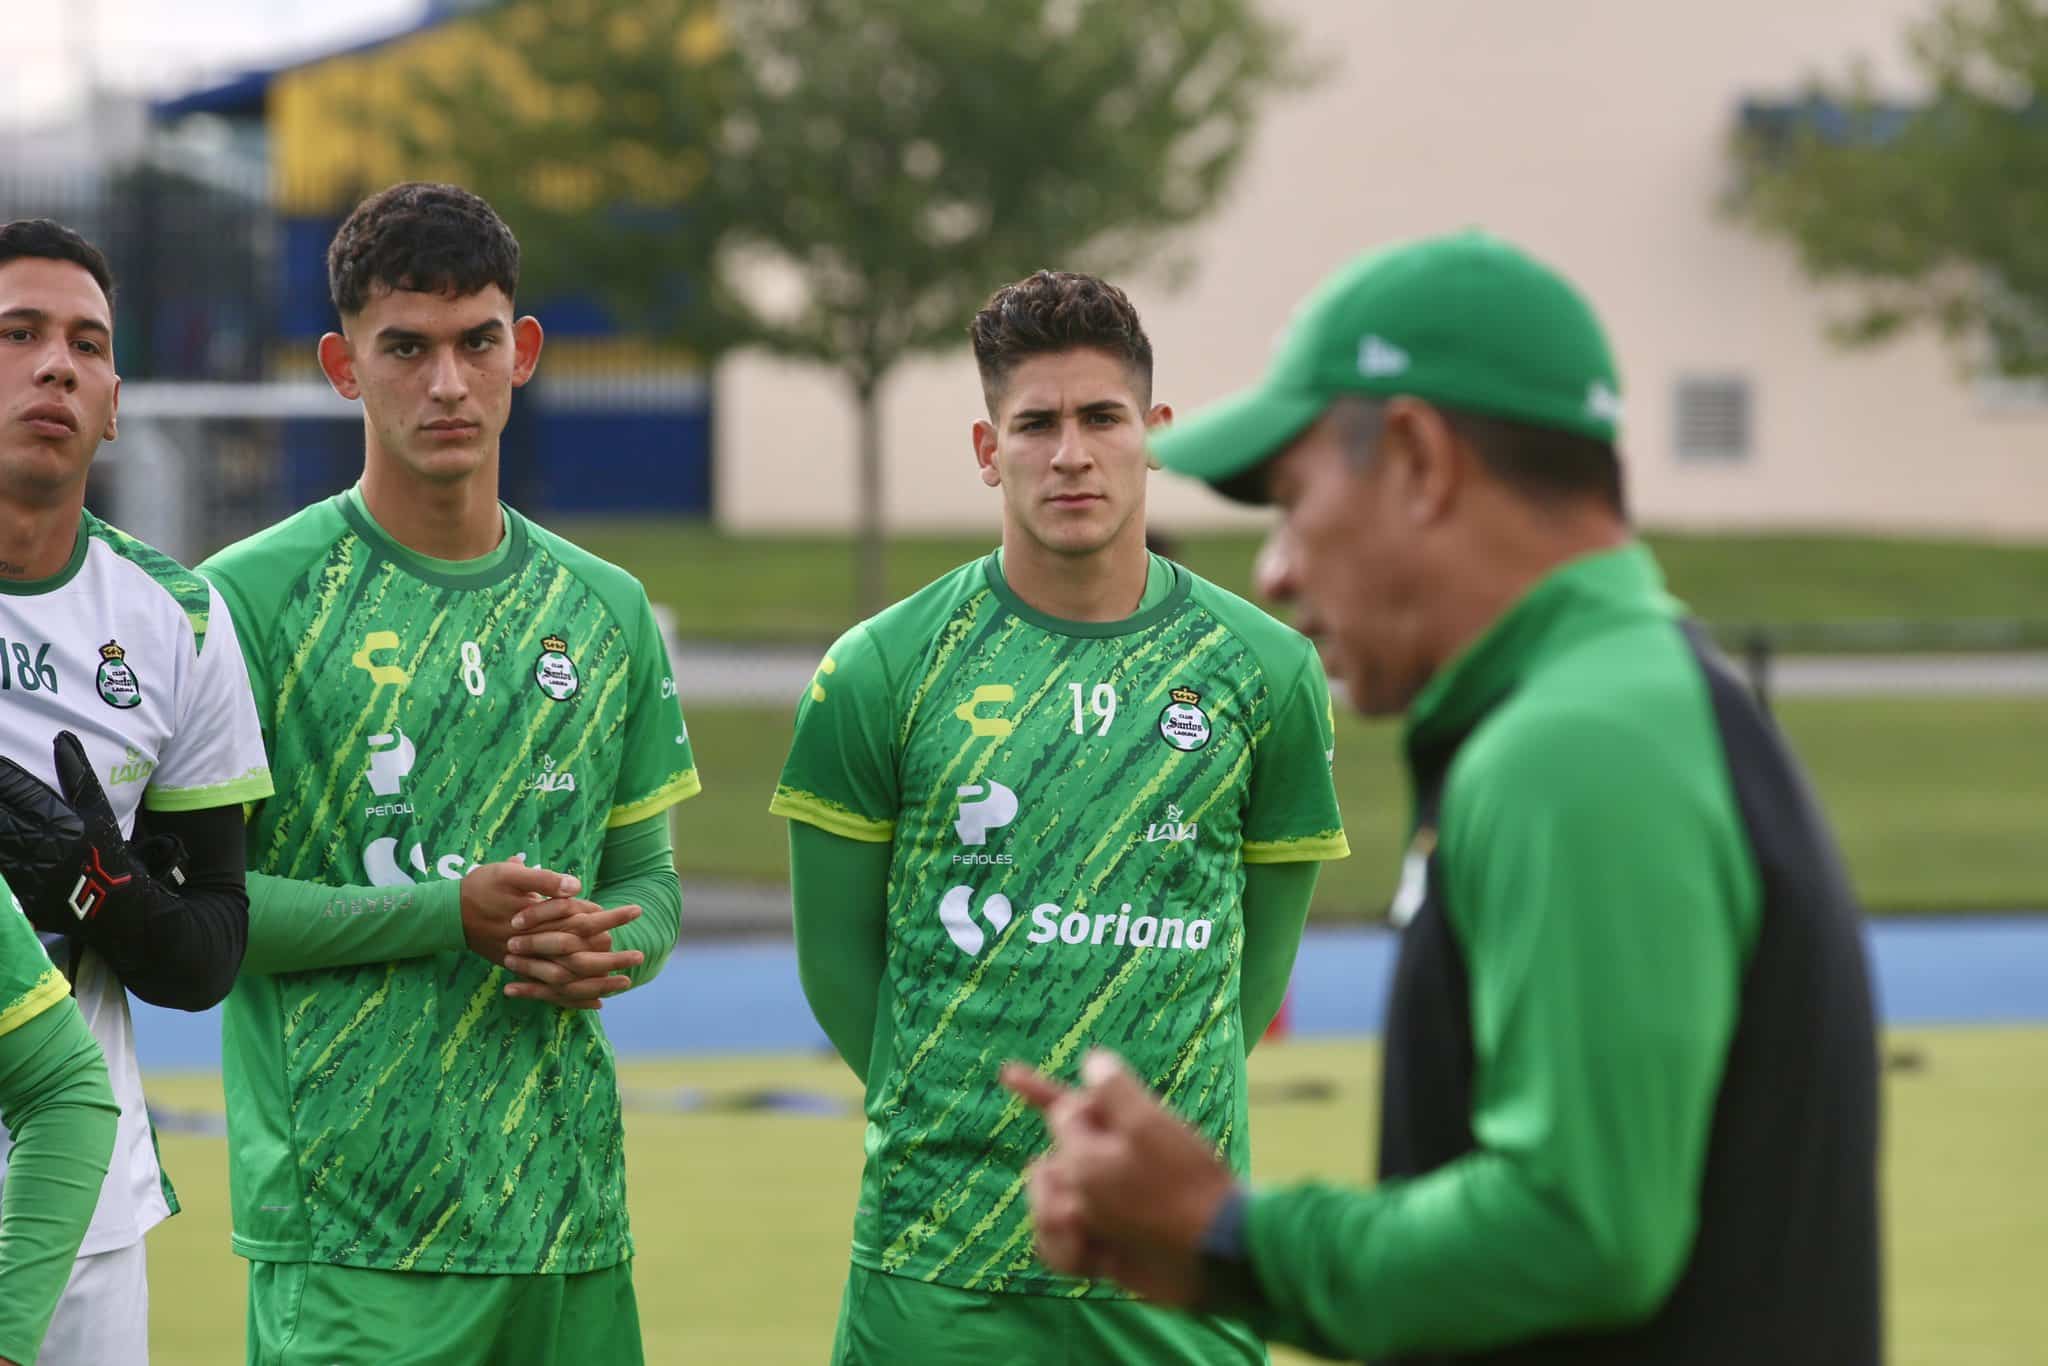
column 1052, row 311
column 49, row 240
column 436, row 239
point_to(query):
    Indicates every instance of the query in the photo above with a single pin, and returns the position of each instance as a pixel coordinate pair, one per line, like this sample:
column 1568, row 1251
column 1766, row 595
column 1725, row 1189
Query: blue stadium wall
column 606, row 428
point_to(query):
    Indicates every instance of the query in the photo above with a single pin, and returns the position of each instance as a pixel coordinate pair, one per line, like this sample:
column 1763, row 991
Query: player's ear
column 338, row 363
column 1160, row 416
column 113, row 412
column 985, row 453
column 1423, row 455
column 526, row 340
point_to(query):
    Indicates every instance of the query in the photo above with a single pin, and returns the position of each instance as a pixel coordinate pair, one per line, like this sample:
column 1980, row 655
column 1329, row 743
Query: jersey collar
column 500, row 563
column 1577, row 598
column 1137, row 621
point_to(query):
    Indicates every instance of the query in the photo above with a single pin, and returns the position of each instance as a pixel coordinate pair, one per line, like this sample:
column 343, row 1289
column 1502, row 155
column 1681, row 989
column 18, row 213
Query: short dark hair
column 1052, row 311
column 47, row 239
column 436, row 239
column 1543, row 464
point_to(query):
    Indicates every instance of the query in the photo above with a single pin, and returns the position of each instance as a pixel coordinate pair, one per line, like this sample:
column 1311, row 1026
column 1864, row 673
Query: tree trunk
column 871, row 588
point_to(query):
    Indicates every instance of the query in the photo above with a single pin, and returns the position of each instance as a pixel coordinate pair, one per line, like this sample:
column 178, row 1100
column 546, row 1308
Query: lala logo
column 548, row 780
column 1173, row 830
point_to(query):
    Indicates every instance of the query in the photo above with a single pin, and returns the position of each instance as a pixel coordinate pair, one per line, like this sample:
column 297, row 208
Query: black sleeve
column 181, row 946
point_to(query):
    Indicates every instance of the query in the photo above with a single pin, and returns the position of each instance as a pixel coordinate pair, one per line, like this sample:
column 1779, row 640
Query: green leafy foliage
column 846, row 181
column 1929, row 215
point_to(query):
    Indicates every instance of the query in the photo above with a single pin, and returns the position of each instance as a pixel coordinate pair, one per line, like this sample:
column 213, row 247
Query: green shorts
column 889, row 1320
column 312, row 1314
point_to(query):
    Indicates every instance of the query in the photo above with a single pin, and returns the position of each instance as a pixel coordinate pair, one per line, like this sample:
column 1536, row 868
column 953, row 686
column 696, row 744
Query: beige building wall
column 1591, row 131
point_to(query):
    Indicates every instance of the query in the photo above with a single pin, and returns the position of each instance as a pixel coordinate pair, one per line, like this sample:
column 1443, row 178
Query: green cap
column 1465, row 320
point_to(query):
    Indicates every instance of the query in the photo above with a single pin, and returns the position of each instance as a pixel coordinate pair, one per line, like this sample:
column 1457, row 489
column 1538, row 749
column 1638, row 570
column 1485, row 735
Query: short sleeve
column 841, row 772
column 215, row 756
column 658, row 768
column 29, row 983
column 1293, row 816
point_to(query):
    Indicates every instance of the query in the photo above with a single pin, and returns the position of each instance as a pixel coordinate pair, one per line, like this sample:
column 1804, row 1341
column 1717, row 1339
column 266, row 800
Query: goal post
column 199, row 463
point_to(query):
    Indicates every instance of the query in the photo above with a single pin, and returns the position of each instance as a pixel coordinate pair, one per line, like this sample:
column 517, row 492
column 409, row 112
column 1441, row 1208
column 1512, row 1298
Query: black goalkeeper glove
column 62, row 852
column 162, row 857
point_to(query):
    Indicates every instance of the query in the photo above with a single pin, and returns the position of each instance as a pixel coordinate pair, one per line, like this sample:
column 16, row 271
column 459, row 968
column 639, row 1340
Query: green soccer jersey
column 423, row 718
column 1071, row 807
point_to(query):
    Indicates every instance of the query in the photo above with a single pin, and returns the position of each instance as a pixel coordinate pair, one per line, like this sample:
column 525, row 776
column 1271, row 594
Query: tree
column 849, row 179
column 591, row 125
column 1929, row 215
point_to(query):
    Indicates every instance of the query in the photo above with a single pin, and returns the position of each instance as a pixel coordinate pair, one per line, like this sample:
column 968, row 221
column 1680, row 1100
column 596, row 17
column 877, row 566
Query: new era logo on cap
column 1495, row 331
column 1378, row 356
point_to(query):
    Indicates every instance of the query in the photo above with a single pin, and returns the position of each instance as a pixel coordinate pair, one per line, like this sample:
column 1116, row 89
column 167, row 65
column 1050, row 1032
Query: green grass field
column 742, row 1216
column 800, row 587
column 1941, row 804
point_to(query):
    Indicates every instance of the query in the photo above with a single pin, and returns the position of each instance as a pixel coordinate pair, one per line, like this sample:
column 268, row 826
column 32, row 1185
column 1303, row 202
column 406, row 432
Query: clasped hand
column 531, row 922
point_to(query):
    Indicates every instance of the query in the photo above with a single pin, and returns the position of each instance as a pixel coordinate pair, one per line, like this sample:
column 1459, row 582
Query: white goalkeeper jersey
column 136, row 656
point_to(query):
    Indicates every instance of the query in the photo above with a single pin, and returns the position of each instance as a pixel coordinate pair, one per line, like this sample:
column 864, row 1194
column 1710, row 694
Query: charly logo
column 1408, row 897
column 118, row 685
column 1172, row 830
column 555, row 671
column 988, row 727
column 391, row 757
column 548, row 780
column 1184, row 724
column 377, row 643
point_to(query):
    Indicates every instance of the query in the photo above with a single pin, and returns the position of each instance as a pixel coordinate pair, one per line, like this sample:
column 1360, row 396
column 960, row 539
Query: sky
column 56, row 48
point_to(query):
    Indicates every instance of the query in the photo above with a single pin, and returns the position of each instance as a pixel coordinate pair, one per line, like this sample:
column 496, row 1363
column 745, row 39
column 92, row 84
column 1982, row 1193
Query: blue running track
column 742, row 997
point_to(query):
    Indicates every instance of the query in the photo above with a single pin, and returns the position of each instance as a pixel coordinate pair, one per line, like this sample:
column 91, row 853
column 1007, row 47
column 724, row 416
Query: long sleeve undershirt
column 296, row 926
column 840, row 888
column 59, row 1110
column 180, row 945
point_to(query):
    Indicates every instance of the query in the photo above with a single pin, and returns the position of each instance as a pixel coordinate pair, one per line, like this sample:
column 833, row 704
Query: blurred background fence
column 1868, row 539
column 226, row 423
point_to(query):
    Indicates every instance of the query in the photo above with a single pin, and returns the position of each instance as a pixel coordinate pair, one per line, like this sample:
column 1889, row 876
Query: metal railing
column 1966, row 654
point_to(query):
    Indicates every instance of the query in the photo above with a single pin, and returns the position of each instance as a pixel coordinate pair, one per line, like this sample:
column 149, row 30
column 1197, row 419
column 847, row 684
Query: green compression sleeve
column 58, row 1106
column 840, row 888
column 1605, row 940
column 1276, row 901
column 296, row 926
column 638, row 868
